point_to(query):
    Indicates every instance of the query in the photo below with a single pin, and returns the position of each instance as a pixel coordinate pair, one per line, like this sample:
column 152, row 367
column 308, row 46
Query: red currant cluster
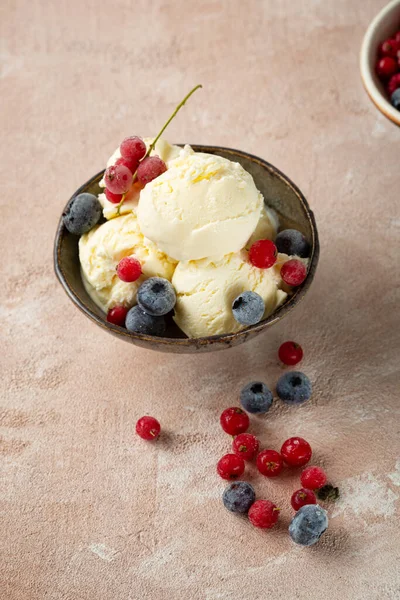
column 388, row 66
column 264, row 254
column 129, row 270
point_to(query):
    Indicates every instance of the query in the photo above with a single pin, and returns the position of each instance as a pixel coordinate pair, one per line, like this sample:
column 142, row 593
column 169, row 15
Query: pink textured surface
column 88, row 509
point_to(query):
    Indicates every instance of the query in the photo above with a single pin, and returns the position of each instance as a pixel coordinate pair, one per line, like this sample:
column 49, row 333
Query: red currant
column 388, row 47
column 386, row 67
column 230, row 466
column 302, row 497
column 148, row 428
column 263, row 254
column 245, row 445
column 234, row 420
column 394, row 83
column 293, row 272
column 117, row 315
column 263, row 514
column 150, row 168
column 290, row 353
column 129, row 269
column 269, row 463
column 118, row 179
column 313, row 478
column 127, row 162
column 133, row 148
column 296, row 452
column 114, row 198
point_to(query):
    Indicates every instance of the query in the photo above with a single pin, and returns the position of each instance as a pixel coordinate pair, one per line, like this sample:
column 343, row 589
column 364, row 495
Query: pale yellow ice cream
column 203, row 205
column 100, row 251
column 267, row 226
column 206, row 289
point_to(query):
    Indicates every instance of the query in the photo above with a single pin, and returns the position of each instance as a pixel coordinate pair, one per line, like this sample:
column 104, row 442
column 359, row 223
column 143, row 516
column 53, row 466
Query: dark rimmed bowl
column 279, row 193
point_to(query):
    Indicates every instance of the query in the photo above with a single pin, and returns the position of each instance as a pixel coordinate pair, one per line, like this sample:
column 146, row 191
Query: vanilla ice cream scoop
column 206, row 289
column 203, row 205
column 100, row 251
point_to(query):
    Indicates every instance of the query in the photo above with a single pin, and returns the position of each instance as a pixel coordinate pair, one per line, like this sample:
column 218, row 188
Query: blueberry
column 238, row 497
column 248, row 308
column 156, row 296
column 308, row 524
column 292, row 242
column 395, row 99
column 294, row 387
column 255, row 397
column 82, row 213
column 140, row 322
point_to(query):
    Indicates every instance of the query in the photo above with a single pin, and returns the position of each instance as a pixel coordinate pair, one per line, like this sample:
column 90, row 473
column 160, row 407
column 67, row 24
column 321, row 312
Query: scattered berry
column 290, row 353
column 313, row 478
column 269, row 463
column 294, row 387
column 248, row 308
column 234, row 421
column 138, row 321
column 133, row 148
column 388, row 48
column 148, row 428
column 293, row 243
column 118, row 179
column 263, row 514
column 82, row 213
column 129, row 269
column 238, row 497
column 150, row 168
column 308, row 524
column 114, row 198
column 245, row 445
column 293, row 272
column 395, row 99
column 296, row 452
column 386, row 67
column 256, row 398
column 263, row 254
column 117, row 315
column 230, row 466
column 132, row 165
column 328, row 492
column 302, row 497
column 156, row 296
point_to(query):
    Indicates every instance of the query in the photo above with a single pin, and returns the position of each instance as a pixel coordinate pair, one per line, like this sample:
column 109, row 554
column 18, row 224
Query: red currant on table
column 118, row 179
column 114, row 198
column 148, row 428
column 388, row 47
column 293, row 272
column 290, row 353
column 133, row 148
column 313, row 478
column 386, row 67
column 296, row 452
column 117, row 315
column 129, row 269
column 245, row 445
column 150, row 168
column 394, row 83
column 263, row 514
column 263, row 254
column 234, row 420
column 230, row 466
column 269, row 463
column 302, row 497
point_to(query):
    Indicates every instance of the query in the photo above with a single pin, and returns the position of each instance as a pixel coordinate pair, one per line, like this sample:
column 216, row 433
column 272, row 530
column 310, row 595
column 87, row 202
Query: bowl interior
column 279, row 193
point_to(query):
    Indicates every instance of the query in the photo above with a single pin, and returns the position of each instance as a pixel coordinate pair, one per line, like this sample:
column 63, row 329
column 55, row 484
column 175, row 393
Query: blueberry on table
column 308, row 524
column 395, row 99
column 82, row 214
column 138, row 321
column 238, row 497
column 156, row 296
column 293, row 243
column 294, row 387
column 256, row 398
column 248, row 308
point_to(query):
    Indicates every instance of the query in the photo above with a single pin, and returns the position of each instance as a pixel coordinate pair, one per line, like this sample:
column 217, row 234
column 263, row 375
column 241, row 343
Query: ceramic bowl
column 279, row 193
column 385, row 24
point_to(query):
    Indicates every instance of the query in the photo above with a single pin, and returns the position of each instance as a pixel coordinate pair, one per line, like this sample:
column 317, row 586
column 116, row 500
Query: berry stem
column 154, row 142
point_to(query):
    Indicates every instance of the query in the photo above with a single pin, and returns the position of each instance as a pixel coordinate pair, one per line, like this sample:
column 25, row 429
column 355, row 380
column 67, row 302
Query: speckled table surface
column 90, row 511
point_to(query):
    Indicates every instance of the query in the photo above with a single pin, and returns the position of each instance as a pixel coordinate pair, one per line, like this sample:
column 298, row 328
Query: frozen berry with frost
column 269, row 463
column 118, row 179
column 148, row 428
column 117, row 315
column 238, row 497
column 132, row 165
column 293, row 272
column 294, row 387
column 290, row 353
column 139, row 321
column 156, row 296
column 82, row 214
column 263, row 254
column 313, row 478
column 263, row 514
column 302, row 497
column 296, row 452
column 256, row 398
column 248, row 308
column 129, row 269
column 234, row 420
column 395, row 99
column 308, row 524
column 293, row 243
column 133, row 148
column 245, row 445
column 150, row 168
column 230, row 466
column 114, row 198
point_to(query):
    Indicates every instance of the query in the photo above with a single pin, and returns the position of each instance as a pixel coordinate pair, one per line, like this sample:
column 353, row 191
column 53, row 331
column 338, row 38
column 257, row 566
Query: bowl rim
column 225, row 338
column 370, row 86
